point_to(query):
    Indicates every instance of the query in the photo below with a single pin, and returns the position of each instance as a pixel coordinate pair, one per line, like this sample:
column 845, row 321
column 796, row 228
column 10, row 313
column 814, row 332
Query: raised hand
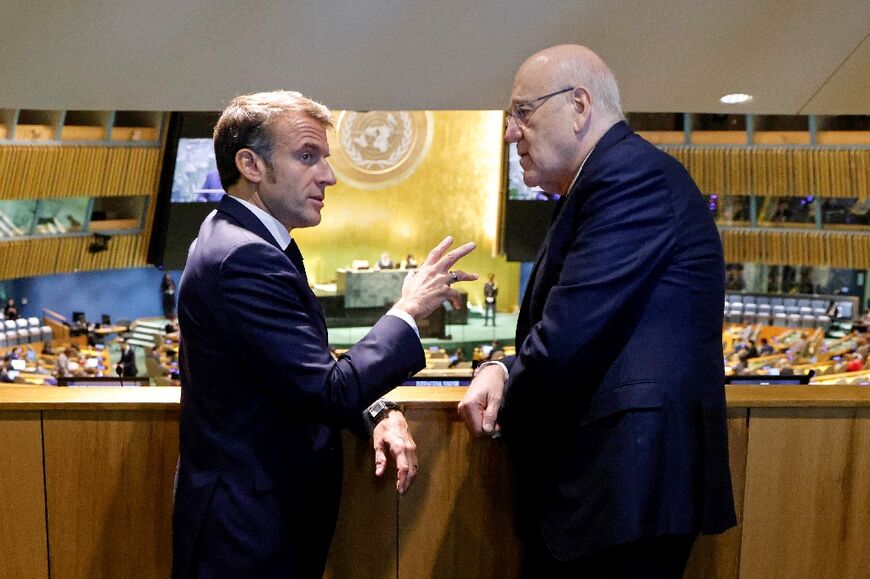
column 426, row 288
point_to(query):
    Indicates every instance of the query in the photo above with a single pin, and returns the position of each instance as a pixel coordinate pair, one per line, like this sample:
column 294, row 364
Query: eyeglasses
column 521, row 112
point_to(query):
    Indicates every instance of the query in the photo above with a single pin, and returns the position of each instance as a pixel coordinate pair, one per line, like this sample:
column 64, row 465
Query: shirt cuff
column 403, row 315
column 507, row 373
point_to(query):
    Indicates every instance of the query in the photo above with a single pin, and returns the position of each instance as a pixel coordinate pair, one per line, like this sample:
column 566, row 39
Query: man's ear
column 250, row 165
column 582, row 110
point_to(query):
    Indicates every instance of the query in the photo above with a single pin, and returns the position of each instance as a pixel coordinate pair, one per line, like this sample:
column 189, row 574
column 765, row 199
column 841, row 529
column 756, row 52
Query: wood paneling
column 799, row 469
column 366, row 536
column 23, row 548
column 456, row 521
column 109, row 478
column 807, row 508
column 59, row 171
column 774, row 171
column 718, row 556
column 819, row 248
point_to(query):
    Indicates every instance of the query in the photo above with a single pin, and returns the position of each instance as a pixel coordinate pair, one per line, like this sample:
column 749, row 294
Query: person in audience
column 855, row 363
column 4, row 373
column 766, row 348
column 126, row 367
column 751, row 351
column 490, row 294
column 262, row 400
column 167, row 293
column 409, row 263
column 11, row 310
column 62, row 365
column 618, row 437
column 384, row 262
column 456, row 358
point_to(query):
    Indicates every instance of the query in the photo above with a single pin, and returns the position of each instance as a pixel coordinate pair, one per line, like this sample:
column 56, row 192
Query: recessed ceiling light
column 735, row 98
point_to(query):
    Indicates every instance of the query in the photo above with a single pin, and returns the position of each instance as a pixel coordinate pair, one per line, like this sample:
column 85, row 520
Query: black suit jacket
column 262, row 404
column 128, row 364
column 615, row 407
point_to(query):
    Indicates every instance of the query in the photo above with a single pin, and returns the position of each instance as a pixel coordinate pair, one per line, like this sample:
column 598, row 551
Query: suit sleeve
column 279, row 327
column 624, row 238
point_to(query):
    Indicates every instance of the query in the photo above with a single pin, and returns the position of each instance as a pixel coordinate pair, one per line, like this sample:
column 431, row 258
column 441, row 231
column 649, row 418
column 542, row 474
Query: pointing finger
column 438, row 250
column 451, row 258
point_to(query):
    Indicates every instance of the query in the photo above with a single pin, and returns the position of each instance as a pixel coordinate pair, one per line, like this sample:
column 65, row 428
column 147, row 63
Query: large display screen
column 196, row 177
column 516, row 188
column 526, row 218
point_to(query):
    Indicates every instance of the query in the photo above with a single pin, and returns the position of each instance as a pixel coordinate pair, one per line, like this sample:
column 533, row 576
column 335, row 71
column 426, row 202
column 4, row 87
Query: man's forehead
column 533, row 76
column 300, row 130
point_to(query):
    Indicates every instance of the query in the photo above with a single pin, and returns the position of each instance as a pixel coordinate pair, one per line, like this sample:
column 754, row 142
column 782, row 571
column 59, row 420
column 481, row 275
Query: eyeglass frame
column 513, row 111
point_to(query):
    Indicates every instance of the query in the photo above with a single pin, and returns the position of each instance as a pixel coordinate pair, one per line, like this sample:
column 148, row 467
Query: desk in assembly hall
column 86, row 489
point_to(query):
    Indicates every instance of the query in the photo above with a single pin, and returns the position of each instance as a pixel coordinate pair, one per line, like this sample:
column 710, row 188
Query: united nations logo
column 377, row 149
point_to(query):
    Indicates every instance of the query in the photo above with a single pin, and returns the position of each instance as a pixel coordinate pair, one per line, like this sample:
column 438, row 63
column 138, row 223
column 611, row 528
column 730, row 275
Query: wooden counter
column 86, row 482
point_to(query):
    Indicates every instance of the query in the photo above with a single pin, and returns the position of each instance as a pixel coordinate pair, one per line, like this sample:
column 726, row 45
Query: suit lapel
column 562, row 224
column 250, row 222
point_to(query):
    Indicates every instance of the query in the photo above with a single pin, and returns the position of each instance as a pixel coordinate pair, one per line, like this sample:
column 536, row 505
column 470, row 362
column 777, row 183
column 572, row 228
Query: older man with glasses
column 614, row 407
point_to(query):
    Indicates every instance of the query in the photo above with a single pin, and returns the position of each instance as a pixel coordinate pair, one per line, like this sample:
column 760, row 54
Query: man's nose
column 512, row 131
column 328, row 177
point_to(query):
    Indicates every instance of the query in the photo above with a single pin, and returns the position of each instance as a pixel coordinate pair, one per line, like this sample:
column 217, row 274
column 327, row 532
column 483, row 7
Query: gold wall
column 456, row 190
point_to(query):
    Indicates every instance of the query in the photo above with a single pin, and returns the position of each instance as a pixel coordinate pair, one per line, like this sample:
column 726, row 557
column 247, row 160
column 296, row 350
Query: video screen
column 196, row 177
column 516, row 188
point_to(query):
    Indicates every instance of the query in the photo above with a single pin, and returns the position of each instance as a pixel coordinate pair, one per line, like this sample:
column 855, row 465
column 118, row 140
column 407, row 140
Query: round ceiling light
column 735, row 98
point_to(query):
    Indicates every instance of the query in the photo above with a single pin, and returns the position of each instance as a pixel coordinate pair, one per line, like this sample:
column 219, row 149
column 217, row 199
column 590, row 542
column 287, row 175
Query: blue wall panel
column 123, row 294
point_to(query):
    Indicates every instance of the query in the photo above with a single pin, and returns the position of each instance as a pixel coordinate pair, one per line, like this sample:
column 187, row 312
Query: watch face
column 376, row 408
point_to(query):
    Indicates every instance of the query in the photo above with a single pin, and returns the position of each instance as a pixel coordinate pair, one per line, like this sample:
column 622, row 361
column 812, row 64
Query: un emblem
column 377, row 149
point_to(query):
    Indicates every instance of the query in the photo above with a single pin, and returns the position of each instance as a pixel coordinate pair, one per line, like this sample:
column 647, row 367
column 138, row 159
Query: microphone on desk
column 119, row 370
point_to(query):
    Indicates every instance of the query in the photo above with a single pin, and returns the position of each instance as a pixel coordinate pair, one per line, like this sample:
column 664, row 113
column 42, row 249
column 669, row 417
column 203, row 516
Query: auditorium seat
column 763, row 314
column 34, row 334
column 780, row 318
column 33, row 322
column 11, row 337
column 749, row 311
column 735, row 313
column 808, row 320
column 23, row 336
column 794, row 320
column 46, row 333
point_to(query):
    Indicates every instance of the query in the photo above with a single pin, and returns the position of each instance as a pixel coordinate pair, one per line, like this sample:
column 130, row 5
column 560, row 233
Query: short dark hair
column 246, row 124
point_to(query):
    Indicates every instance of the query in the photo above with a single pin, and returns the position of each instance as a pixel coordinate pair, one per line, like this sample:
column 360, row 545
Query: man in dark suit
column 262, row 400
column 127, row 365
column 613, row 408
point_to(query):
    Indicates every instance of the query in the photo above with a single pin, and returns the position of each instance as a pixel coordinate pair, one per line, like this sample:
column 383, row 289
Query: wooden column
column 23, row 547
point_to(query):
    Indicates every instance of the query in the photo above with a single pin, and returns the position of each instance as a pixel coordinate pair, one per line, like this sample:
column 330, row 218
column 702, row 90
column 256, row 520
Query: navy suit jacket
column 262, row 403
column 615, row 406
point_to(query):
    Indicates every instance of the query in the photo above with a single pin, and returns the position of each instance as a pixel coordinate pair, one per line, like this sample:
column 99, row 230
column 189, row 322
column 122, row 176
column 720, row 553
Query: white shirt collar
column 577, row 176
column 278, row 231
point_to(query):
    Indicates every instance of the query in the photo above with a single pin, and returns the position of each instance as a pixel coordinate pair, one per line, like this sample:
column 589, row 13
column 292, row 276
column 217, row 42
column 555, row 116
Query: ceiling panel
column 668, row 55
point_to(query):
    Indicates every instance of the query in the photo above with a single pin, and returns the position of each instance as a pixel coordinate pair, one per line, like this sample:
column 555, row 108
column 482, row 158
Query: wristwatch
column 377, row 412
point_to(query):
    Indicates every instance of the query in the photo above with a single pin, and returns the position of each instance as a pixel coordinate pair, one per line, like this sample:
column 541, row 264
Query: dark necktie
column 295, row 256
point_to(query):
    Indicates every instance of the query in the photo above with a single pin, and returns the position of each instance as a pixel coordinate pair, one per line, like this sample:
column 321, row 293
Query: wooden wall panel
column 366, row 540
column 57, row 171
column 718, row 556
column 777, row 171
column 23, row 548
column 109, row 477
column 819, row 248
column 456, row 520
column 807, row 505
